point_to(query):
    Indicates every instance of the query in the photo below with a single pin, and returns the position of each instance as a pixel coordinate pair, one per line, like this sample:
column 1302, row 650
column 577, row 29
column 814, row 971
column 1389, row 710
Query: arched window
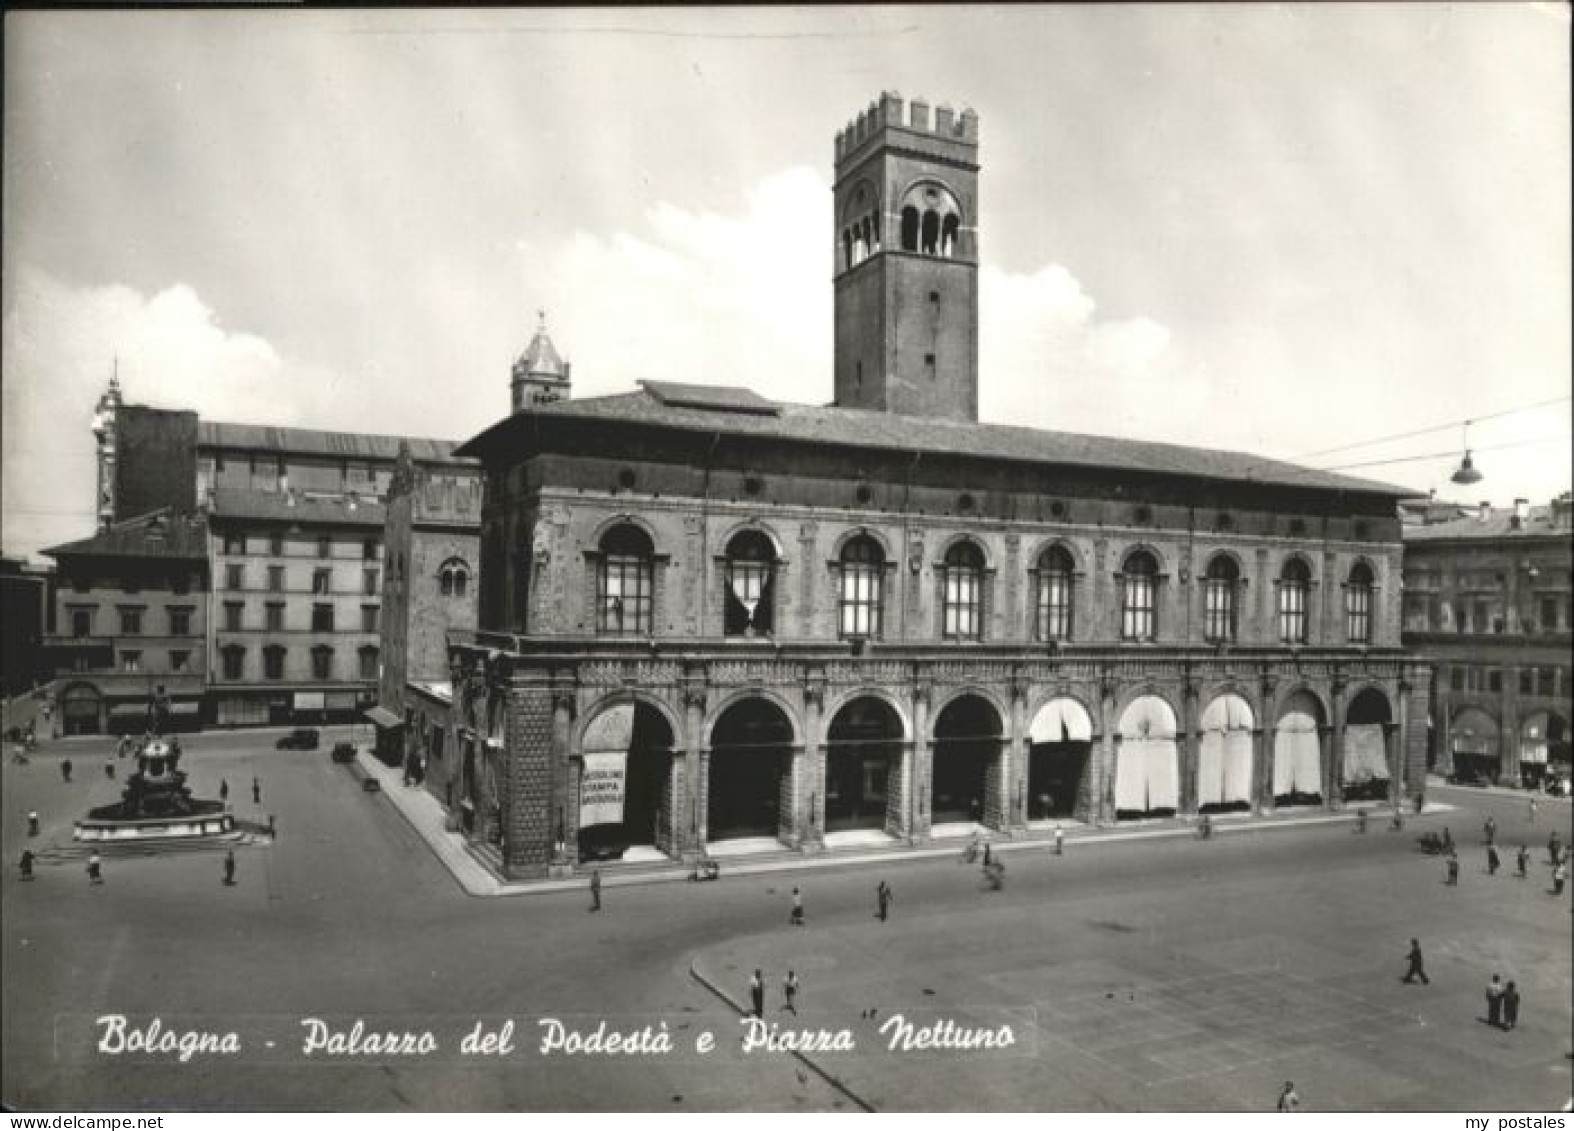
column 909, row 228
column 1055, row 572
column 750, row 585
column 863, row 578
column 453, row 578
column 1139, row 583
column 1294, row 582
column 962, row 604
column 625, row 584
column 1219, row 600
column 1358, row 604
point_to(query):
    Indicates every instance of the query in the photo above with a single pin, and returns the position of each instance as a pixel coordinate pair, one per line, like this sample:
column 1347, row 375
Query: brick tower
column 906, row 216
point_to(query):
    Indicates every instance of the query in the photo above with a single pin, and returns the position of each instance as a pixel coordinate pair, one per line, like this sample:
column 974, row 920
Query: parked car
column 301, row 738
column 344, row 752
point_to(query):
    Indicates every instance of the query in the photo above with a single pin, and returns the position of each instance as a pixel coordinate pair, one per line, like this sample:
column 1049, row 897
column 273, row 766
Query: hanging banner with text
column 601, row 789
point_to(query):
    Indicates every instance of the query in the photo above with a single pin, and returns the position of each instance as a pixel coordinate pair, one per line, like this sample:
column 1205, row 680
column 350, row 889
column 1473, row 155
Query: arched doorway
column 1365, row 771
column 80, row 709
column 863, row 751
column 1543, row 747
column 1147, row 778
column 626, row 755
column 750, row 758
column 967, row 747
column 1298, row 752
column 1474, row 740
column 1061, row 737
column 1224, row 760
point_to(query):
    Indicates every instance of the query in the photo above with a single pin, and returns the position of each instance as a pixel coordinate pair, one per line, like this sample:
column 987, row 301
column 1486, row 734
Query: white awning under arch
column 1148, row 716
column 1224, row 760
column 1147, row 775
column 1228, row 712
column 611, row 730
column 1061, row 720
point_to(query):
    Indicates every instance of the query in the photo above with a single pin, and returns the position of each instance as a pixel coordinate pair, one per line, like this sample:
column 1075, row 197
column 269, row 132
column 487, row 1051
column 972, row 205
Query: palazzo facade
column 785, row 627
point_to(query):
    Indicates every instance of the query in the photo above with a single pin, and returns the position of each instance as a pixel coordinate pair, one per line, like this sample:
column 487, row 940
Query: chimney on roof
column 1485, row 511
column 1563, row 512
column 1521, row 512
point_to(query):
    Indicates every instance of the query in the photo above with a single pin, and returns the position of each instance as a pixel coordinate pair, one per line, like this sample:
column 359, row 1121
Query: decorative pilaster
column 1333, row 763
column 809, row 768
column 1190, row 751
column 565, row 795
column 917, row 769
column 695, row 772
column 1262, row 764
column 1104, row 812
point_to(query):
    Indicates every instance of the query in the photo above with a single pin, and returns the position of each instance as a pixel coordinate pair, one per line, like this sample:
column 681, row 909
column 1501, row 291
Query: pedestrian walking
column 65, row 770
column 595, row 889
column 988, row 855
column 882, row 896
column 1453, row 872
column 1288, row 1099
column 1492, row 860
column 224, row 789
column 26, row 863
column 1417, row 968
column 790, row 993
column 1510, row 1006
column 1554, row 843
column 1489, row 829
column 757, row 993
column 1560, row 874
column 796, row 918
column 256, row 792
column 1532, row 809
column 32, row 822
column 1060, row 841
column 95, row 868
column 229, row 869
column 1522, row 861
column 1495, row 1003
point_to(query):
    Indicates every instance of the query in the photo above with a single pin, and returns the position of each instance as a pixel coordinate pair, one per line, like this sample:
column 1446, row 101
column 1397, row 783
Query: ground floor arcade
column 613, row 759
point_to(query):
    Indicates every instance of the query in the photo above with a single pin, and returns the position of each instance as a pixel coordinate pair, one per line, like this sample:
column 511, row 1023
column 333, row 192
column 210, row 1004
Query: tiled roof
column 159, row 534
column 229, row 502
column 314, row 442
column 1499, row 523
column 862, row 428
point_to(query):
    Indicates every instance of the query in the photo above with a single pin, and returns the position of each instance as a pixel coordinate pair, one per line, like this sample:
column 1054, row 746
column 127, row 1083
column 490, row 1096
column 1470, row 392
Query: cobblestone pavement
column 1154, row 974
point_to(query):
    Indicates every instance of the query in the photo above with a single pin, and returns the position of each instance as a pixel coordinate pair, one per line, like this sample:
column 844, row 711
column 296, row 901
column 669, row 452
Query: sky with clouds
column 1280, row 229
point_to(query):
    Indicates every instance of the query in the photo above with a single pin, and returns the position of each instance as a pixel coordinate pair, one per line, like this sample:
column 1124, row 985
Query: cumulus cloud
column 61, row 345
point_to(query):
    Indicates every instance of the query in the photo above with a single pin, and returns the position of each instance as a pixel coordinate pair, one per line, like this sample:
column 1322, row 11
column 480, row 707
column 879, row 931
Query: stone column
column 695, row 770
column 1190, row 750
column 1104, row 809
column 527, row 798
column 564, row 796
column 1397, row 745
column 1262, row 764
column 810, row 768
column 1333, row 760
column 1262, row 628
column 1018, row 752
column 917, row 771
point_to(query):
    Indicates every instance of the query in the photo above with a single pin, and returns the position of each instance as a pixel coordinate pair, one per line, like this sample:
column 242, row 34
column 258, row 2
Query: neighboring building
column 26, row 613
column 281, row 647
column 1486, row 599
column 131, row 616
column 429, row 590
column 712, row 620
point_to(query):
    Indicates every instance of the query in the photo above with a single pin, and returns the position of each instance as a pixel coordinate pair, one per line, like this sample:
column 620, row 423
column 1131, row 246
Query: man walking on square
column 256, row 792
column 1489, row 830
column 1453, row 871
column 95, row 868
column 65, row 770
column 1492, row 860
column 1417, row 964
column 1559, row 875
column 796, row 918
column 1522, row 861
column 224, row 789
column 595, row 889
column 27, row 863
column 1288, row 1100
column 1510, row 1006
column 882, row 895
column 790, row 993
column 229, row 869
column 757, row 993
column 1495, row 1003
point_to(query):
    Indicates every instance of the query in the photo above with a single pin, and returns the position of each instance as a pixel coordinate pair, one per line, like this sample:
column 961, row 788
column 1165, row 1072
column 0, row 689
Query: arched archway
column 1543, row 746
column 1298, row 752
column 626, row 757
column 1365, row 774
column 863, row 754
column 81, row 710
column 966, row 762
column 1062, row 738
column 1224, row 760
column 1476, row 745
column 1147, row 775
column 750, row 760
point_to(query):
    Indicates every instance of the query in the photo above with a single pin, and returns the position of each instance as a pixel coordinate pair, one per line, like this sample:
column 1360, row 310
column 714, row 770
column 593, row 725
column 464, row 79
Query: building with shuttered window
column 713, row 622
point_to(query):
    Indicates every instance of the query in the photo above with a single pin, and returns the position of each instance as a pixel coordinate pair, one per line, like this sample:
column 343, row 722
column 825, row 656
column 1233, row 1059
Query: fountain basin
column 206, row 818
